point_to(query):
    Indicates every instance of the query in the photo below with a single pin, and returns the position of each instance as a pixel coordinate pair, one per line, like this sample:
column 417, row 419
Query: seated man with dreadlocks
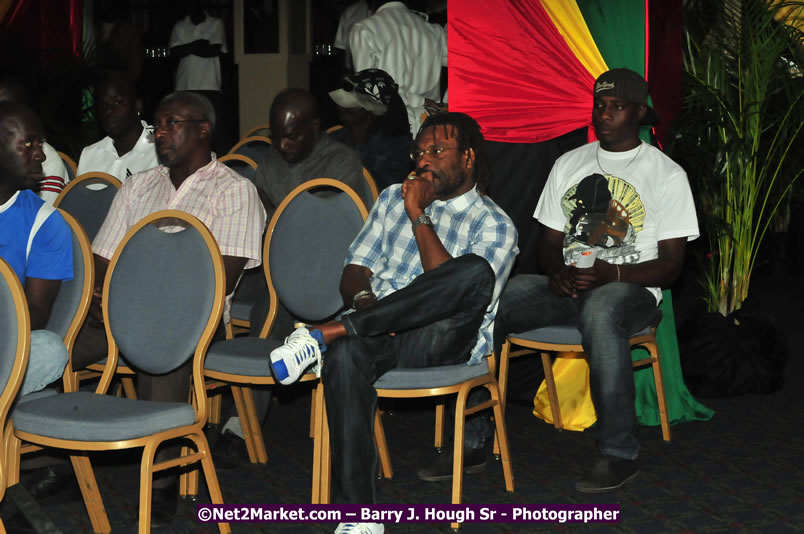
column 423, row 276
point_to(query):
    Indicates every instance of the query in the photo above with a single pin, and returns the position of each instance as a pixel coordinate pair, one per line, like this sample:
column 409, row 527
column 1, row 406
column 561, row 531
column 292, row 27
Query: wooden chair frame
column 322, row 459
column 21, row 355
column 241, row 384
column 372, row 185
column 647, row 341
column 246, row 140
column 238, row 157
column 69, row 162
column 194, row 432
column 252, row 132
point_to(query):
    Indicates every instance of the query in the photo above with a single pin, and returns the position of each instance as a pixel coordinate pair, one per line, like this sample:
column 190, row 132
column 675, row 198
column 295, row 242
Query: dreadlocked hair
column 469, row 136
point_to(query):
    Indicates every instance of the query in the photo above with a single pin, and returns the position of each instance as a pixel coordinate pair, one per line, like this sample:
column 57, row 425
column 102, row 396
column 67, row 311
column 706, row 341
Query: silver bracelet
column 360, row 295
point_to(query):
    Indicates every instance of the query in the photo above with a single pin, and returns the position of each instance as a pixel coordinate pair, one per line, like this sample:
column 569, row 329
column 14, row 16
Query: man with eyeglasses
column 423, row 277
column 189, row 179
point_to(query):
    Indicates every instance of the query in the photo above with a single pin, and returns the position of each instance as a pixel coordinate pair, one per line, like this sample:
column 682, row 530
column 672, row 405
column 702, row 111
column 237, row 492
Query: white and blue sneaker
column 302, row 349
column 360, row 528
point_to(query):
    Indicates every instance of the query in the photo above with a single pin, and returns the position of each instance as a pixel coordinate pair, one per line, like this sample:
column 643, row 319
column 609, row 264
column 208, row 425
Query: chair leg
column 382, row 446
column 438, row 442
column 254, row 426
column 12, row 459
column 312, row 414
column 657, row 378
column 91, row 494
column 552, row 394
column 214, row 409
column 237, row 395
column 210, row 476
column 188, row 480
column 501, row 437
column 457, row 458
column 128, row 387
column 318, row 439
column 503, row 388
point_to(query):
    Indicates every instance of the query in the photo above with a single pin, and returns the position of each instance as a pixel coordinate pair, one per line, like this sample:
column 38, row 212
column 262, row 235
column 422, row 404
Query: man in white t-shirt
column 631, row 205
column 407, row 47
column 128, row 147
column 198, row 40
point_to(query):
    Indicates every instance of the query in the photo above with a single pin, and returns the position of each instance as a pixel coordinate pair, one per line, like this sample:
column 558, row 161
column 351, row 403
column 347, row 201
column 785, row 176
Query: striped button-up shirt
column 411, row 50
column 469, row 224
column 223, row 200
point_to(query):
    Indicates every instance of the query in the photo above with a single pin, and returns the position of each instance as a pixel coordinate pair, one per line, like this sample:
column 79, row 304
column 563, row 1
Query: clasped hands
column 568, row 280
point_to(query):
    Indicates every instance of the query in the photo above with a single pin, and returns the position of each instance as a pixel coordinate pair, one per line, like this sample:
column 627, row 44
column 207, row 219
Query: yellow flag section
column 568, row 20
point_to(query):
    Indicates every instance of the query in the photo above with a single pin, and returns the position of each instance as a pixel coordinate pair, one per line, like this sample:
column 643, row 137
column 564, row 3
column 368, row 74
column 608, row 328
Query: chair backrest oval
column 164, row 290
column 306, row 244
column 243, row 165
column 15, row 339
column 72, row 302
column 69, row 164
column 255, row 147
column 88, row 198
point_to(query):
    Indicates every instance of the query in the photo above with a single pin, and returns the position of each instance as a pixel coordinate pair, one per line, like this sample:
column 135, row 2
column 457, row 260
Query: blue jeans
column 436, row 319
column 606, row 316
column 46, row 363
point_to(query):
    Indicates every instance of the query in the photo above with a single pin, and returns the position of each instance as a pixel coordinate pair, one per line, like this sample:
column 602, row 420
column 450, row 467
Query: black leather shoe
column 49, row 483
column 474, row 461
column 164, row 505
column 229, row 451
column 608, row 474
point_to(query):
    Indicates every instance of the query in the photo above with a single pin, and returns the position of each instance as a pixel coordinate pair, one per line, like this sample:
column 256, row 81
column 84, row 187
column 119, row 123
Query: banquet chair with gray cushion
column 305, row 246
column 88, row 198
column 15, row 345
column 162, row 301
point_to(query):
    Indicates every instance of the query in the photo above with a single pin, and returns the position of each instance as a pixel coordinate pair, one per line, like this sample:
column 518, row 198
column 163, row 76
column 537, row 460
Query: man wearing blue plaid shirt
column 423, row 276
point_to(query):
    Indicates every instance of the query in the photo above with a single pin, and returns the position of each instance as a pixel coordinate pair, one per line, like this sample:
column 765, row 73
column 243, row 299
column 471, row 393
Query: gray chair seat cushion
column 41, row 394
column 561, row 335
column 431, row 377
column 84, row 416
column 248, row 356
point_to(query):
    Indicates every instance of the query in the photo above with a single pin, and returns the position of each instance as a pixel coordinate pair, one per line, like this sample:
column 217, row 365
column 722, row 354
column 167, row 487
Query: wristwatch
column 420, row 220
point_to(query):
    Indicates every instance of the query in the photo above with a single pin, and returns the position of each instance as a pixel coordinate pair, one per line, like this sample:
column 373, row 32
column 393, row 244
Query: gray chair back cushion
column 308, row 248
column 256, row 150
column 89, row 206
column 160, row 297
column 8, row 333
column 70, row 293
column 242, row 168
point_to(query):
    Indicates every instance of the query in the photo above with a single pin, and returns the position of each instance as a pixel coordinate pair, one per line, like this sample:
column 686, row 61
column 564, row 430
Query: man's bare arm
column 356, row 278
column 654, row 273
column 551, row 260
column 40, row 294
column 418, row 194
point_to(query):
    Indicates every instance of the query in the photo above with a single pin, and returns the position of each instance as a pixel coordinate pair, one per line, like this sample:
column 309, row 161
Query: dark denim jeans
column 606, row 316
column 436, row 320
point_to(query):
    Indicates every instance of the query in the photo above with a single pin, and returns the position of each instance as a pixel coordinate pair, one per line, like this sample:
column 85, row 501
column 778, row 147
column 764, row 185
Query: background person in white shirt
column 197, row 41
column 410, row 49
column 353, row 13
column 128, row 148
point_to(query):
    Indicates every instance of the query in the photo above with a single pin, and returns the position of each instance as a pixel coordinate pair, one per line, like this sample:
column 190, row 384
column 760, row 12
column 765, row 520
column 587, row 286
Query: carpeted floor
column 739, row 472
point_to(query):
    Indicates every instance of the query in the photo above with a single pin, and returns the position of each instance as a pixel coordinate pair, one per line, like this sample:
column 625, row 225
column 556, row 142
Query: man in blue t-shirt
column 34, row 239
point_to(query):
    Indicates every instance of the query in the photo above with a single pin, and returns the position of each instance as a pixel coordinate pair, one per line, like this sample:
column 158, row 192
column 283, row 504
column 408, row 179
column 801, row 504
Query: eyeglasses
column 434, row 151
column 170, row 124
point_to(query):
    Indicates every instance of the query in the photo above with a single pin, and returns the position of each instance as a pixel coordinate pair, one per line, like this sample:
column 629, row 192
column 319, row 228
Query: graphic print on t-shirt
column 604, row 212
